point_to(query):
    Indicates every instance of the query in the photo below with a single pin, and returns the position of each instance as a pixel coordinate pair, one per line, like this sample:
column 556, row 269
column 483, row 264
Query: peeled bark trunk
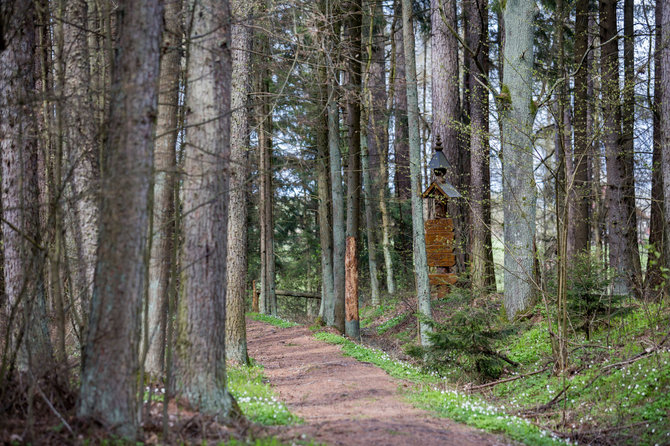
column 21, row 239
column 200, row 359
column 418, row 231
column 519, row 193
column 236, row 337
column 163, row 193
column 110, row 363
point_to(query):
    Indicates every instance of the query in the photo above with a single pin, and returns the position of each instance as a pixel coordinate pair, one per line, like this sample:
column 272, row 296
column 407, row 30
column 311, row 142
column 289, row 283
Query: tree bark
column 163, row 189
column 324, row 190
column 22, row 257
column 400, row 141
column 110, row 363
column 446, row 110
column 200, row 359
column 268, row 296
column 378, row 134
column 519, row 193
column 370, row 223
column 480, row 194
column 628, row 144
column 236, row 338
column 418, row 232
column 664, row 112
column 353, row 27
column 82, row 168
column 657, row 260
column 620, row 251
column 581, row 186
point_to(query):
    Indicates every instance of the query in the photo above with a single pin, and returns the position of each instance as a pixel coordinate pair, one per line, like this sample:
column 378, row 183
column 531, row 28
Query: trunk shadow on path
column 344, row 401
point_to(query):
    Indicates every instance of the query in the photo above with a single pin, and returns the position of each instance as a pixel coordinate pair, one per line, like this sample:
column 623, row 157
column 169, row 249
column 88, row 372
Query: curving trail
column 343, row 401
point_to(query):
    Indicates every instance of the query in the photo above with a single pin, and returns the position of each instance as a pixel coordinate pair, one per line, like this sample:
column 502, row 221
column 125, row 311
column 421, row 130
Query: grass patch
column 256, row 399
column 397, row 369
column 273, row 320
column 392, row 323
column 476, row 412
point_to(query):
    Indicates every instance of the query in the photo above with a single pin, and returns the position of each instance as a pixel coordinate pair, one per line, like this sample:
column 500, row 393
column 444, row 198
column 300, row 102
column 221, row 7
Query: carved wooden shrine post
column 439, row 227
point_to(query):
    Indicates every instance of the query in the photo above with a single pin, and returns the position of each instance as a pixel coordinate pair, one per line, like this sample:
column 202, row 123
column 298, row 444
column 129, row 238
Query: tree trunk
column 480, row 194
column 110, row 363
column 378, row 134
column 21, row 239
column 200, row 359
column 324, row 190
column 400, row 141
column 163, row 193
column 620, row 251
column 370, row 223
column 664, row 113
column 236, row 337
column 337, row 318
column 82, row 170
column 628, row 146
column 418, row 232
column 353, row 27
column 446, row 110
column 580, row 222
column 268, row 296
column 657, row 260
column 519, row 193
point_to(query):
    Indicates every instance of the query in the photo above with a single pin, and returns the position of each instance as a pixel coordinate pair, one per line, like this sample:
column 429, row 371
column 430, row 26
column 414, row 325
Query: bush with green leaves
column 466, row 338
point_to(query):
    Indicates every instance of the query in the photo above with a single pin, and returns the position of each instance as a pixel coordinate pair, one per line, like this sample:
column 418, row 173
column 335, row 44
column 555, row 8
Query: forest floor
column 343, row 401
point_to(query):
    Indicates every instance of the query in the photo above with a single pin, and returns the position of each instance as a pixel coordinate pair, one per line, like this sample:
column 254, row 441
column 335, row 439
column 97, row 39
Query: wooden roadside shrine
column 440, row 228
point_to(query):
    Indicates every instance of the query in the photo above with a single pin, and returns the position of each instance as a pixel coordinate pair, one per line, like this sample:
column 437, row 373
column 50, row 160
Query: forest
column 269, row 222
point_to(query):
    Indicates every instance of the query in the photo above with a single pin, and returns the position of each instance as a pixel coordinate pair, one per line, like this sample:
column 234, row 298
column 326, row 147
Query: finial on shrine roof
column 438, row 143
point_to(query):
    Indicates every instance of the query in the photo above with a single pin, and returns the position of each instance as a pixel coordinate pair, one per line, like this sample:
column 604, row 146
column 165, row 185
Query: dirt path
column 343, row 401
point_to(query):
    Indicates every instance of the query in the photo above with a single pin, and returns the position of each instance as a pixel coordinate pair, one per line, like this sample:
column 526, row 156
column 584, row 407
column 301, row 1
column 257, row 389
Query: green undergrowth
column 618, row 382
column 273, row 320
column 430, row 394
column 256, row 398
column 617, row 386
column 391, row 323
